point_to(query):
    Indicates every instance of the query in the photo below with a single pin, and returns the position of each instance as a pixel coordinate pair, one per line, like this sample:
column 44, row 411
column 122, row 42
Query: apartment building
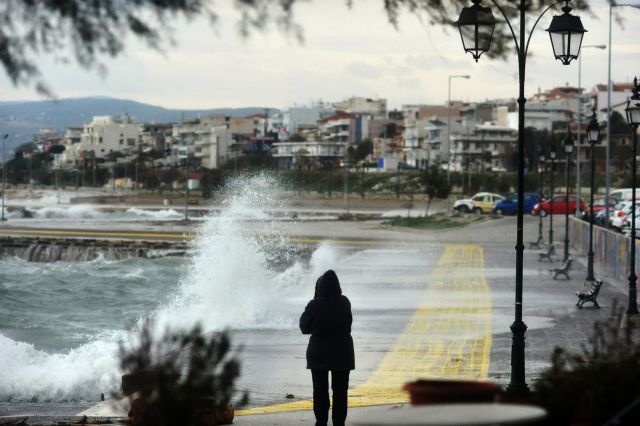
column 363, row 106
column 321, row 152
column 106, row 134
column 483, row 147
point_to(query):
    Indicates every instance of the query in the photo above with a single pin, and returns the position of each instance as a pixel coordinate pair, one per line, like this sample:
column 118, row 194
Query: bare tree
column 88, row 31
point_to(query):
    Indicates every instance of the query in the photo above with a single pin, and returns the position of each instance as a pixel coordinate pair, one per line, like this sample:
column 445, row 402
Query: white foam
column 229, row 284
column 154, row 214
column 79, row 211
column 28, row 373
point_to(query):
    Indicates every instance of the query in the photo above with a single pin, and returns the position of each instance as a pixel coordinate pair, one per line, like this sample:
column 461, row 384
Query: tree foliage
column 89, row 31
column 193, row 377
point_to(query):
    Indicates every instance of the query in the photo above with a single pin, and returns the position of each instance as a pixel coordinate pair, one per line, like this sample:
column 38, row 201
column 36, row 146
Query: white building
column 540, row 116
column 483, row 147
column 301, row 119
column 363, row 106
column 106, row 134
column 319, row 151
column 620, row 93
column 71, row 155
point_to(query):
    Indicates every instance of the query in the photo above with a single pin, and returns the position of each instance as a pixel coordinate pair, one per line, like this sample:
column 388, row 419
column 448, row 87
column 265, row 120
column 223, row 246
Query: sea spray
column 230, row 282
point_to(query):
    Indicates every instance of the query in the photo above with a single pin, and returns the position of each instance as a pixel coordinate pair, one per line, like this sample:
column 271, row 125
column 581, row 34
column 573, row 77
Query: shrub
column 183, row 377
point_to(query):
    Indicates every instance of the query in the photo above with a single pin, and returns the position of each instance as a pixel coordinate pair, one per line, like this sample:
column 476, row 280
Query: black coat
column 328, row 319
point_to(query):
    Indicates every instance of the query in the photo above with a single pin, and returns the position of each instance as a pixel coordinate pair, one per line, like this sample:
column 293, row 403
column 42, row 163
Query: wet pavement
column 425, row 304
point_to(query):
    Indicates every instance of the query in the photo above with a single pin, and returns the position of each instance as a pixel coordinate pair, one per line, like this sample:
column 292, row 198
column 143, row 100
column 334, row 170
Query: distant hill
column 22, row 119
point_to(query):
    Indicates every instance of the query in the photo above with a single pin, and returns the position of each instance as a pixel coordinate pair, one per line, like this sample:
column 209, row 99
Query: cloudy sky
column 346, row 52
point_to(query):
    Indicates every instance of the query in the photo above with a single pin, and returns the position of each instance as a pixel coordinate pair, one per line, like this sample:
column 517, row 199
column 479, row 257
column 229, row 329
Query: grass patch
column 436, row 221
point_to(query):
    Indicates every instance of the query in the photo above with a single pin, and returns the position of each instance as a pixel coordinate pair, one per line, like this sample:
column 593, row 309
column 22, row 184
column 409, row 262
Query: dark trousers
column 339, row 385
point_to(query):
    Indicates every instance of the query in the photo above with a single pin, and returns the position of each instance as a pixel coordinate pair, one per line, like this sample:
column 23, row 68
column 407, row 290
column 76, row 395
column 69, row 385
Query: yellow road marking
column 95, row 233
column 45, row 232
column 449, row 337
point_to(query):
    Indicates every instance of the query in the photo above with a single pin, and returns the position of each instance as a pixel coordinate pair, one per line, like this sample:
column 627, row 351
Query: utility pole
column 346, row 179
column 4, row 173
column 186, row 193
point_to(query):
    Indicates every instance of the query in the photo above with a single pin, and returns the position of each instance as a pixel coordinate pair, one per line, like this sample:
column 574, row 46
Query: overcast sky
column 345, row 53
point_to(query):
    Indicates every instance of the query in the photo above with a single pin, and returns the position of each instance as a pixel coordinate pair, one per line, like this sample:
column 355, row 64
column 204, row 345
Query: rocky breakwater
column 54, row 249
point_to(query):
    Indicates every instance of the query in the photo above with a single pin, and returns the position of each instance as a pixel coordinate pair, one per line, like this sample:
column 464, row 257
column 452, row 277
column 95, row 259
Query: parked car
column 599, row 203
column 627, row 222
column 602, row 219
column 560, row 205
column 620, row 213
column 509, row 205
column 623, row 194
column 482, row 202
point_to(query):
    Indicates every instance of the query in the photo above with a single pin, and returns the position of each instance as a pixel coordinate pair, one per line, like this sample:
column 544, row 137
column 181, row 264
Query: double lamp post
column 476, row 24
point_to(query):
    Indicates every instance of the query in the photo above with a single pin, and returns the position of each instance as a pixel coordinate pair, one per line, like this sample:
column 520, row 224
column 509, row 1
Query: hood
column 464, row 200
column 328, row 285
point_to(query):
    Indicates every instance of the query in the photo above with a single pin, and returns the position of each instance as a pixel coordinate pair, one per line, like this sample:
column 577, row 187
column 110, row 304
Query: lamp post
column 552, row 159
column 568, row 149
column 186, row 189
column 633, row 119
column 579, row 119
column 476, row 25
column 4, row 174
column 593, row 134
column 449, row 128
column 542, row 157
column 612, row 4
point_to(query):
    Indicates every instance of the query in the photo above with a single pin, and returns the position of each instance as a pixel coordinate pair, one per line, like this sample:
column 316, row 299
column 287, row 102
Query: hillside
column 22, row 119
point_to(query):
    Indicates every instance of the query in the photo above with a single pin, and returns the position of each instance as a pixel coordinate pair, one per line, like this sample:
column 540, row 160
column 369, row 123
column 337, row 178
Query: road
column 426, row 304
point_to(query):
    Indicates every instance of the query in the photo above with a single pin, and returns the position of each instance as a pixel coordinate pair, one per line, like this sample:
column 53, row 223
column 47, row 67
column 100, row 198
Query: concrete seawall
column 611, row 249
column 54, row 249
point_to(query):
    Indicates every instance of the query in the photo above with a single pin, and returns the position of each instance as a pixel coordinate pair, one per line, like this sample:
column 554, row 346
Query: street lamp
column 633, row 119
column 568, row 149
column 542, row 157
column 449, row 128
column 4, row 174
column 476, row 26
column 552, row 159
column 593, row 134
column 579, row 119
column 612, row 4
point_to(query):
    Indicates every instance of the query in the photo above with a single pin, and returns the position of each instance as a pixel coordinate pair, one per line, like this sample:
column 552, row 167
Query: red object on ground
column 450, row 391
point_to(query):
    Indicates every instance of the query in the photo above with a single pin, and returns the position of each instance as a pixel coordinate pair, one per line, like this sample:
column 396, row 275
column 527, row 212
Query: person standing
column 327, row 318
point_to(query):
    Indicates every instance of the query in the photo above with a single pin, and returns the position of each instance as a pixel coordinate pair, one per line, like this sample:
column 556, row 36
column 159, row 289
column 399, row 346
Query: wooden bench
column 551, row 250
column 563, row 270
column 536, row 244
column 590, row 295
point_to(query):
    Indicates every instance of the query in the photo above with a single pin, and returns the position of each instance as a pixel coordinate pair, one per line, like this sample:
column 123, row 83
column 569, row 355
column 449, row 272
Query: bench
column 536, row 244
column 590, row 295
column 563, row 270
column 551, row 250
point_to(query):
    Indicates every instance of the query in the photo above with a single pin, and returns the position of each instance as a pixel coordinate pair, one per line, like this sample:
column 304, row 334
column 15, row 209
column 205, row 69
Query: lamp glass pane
column 468, row 34
column 634, row 115
column 559, row 43
column 576, row 41
column 568, row 148
column 485, row 32
column 594, row 135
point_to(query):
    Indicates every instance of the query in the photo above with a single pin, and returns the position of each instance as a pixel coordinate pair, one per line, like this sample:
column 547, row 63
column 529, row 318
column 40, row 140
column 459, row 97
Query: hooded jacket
column 327, row 318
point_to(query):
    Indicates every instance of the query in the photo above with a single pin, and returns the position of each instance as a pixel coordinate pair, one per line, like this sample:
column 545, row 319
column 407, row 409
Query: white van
column 623, row 194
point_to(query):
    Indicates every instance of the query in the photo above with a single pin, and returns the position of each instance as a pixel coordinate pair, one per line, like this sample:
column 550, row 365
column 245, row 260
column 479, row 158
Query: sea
column 62, row 323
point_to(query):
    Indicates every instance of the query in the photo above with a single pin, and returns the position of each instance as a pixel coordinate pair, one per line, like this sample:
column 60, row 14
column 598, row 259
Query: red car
column 599, row 204
column 560, row 206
